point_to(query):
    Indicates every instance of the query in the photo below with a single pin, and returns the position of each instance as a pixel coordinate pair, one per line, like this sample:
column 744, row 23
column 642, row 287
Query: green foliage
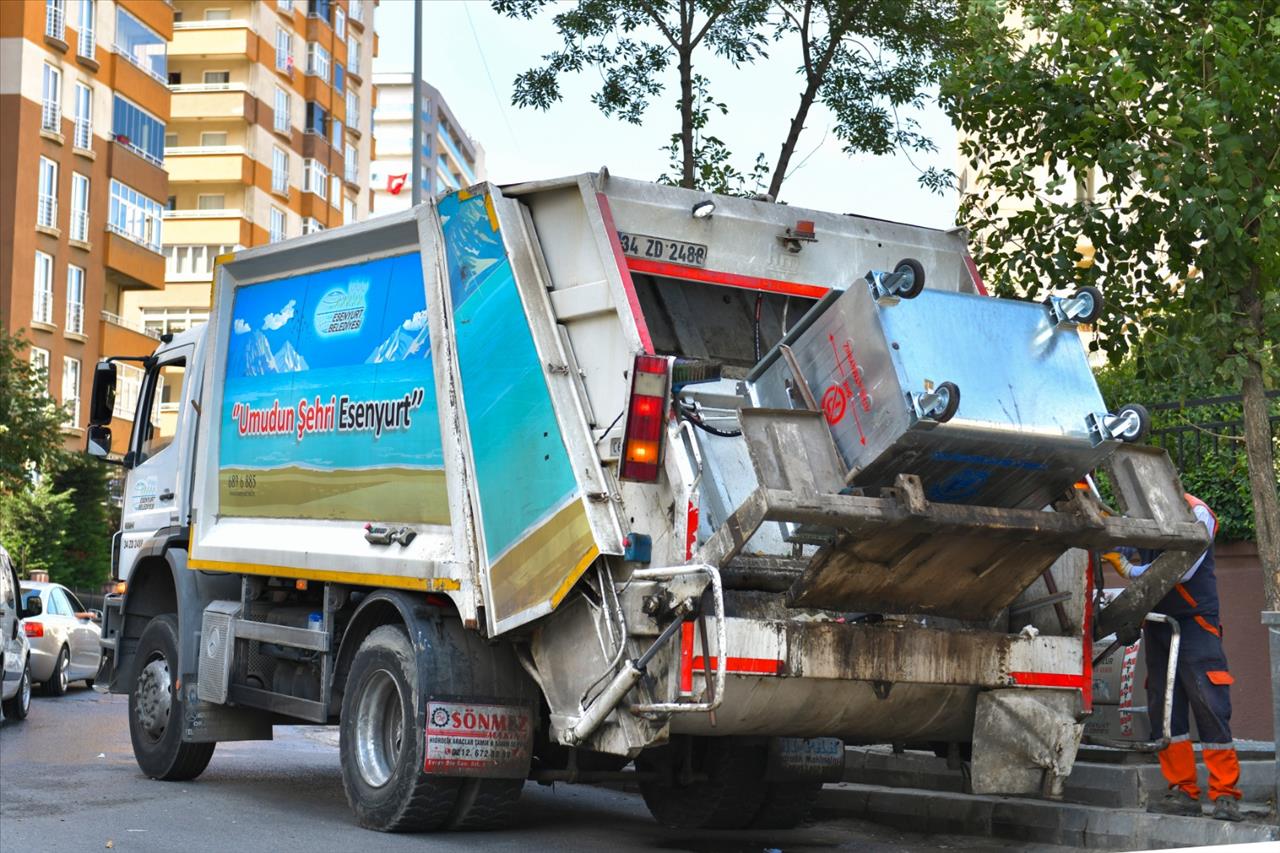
column 1213, row 464
column 86, row 551
column 714, row 171
column 32, row 524
column 30, row 421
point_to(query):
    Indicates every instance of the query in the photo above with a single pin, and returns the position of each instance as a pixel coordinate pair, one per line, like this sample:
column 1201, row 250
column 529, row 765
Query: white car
column 15, row 664
column 65, row 637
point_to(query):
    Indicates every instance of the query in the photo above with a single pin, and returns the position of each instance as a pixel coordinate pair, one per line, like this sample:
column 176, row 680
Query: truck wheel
column 19, row 705
column 786, row 804
column 156, row 709
column 381, row 744
column 728, row 795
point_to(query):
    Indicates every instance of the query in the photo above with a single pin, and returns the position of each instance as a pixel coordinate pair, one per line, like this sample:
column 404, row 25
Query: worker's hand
column 1120, row 563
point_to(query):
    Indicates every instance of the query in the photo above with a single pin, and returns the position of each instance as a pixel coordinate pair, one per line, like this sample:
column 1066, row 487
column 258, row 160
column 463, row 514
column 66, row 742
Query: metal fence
column 1213, row 433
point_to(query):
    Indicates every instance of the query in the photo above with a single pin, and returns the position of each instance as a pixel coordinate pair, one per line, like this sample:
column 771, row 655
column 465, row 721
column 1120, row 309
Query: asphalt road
column 68, row 782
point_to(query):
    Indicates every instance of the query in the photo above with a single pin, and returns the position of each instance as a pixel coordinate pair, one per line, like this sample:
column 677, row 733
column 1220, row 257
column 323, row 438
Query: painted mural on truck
column 329, row 406
column 536, row 535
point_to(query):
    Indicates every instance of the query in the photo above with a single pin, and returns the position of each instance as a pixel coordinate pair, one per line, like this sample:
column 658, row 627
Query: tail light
column 646, row 419
column 33, row 630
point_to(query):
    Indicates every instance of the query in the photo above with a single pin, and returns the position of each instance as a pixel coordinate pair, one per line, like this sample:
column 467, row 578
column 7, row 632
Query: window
column 88, row 27
column 276, row 233
column 284, row 50
column 55, row 19
column 170, row 320
column 51, row 100
column 339, row 23
column 353, row 108
column 217, row 14
column 40, row 361
column 318, row 9
column 335, row 138
column 217, row 78
column 318, row 61
column 141, row 45
column 335, row 191
column 79, row 207
column 355, row 10
column 281, row 107
column 75, row 299
column 279, row 170
column 353, row 54
column 71, row 389
column 47, row 200
column 83, row 106
column 351, row 210
column 317, row 119
column 315, row 178
column 42, row 301
column 213, row 138
column 351, row 164
column 284, row 5
column 138, row 130
column 134, row 216
column 211, row 201
column 163, row 393
column 128, row 385
column 192, row 263
column 310, row 225
column 170, row 140
column 339, row 77
column 58, row 603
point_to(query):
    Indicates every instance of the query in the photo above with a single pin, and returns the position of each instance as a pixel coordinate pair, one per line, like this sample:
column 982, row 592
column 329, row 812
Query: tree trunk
column 1258, row 452
column 793, row 135
column 686, row 120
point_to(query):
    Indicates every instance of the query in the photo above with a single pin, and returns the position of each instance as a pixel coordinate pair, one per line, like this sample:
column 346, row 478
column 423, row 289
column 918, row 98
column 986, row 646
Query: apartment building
column 450, row 158
column 269, row 137
column 82, row 184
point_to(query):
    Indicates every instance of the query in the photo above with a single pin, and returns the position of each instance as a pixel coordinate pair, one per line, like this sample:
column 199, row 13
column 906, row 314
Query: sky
column 472, row 55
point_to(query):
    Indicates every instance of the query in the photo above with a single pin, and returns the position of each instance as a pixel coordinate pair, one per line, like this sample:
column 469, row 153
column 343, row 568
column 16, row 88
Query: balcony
column 212, row 100
column 120, row 337
column 131, row 265
column 213, row 38
column 209, row 164
column 228, row 226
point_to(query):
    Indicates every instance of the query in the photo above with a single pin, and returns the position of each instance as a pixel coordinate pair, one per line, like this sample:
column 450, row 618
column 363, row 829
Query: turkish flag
column 395, row 183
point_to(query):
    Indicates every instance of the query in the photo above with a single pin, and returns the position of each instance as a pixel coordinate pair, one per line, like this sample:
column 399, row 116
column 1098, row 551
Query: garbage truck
column 592, row 479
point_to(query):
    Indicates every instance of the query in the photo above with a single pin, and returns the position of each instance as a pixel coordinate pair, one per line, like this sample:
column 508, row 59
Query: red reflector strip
column 1048, row 679
column 741, row 666
column 727, row 279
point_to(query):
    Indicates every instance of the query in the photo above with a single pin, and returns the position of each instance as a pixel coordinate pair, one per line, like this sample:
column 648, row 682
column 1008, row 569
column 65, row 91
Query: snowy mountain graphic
column 289, row 360
column 402, row 344
column 257, row 358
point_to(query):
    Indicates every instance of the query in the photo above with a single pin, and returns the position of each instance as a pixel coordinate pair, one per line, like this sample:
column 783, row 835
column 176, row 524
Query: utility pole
column 416, row 160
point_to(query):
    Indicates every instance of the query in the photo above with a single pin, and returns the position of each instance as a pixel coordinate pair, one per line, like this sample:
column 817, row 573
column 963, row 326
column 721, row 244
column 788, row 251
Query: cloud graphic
column 417, row 322
column 241, row 327
column 271, row 322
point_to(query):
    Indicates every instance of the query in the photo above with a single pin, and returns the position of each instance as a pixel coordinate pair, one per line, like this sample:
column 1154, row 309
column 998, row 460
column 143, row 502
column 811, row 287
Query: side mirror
column 103, row 400
column 34, row 607
column 98, row 442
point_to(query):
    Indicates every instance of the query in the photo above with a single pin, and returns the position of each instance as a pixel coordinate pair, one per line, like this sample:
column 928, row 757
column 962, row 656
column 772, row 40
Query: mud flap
column 1025, row 741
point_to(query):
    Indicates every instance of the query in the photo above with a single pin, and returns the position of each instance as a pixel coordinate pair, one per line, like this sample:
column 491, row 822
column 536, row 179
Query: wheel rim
column 63, row 663
column 24, row 691
column 154, row 698
column 379, row 729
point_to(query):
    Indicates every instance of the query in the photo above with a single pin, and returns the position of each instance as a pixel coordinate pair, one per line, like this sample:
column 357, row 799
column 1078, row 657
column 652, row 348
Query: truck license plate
column 473, row 739
column 663, row 249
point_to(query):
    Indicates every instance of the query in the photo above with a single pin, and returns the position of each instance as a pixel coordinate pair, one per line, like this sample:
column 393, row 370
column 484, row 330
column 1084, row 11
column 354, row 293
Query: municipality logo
column 342, row 309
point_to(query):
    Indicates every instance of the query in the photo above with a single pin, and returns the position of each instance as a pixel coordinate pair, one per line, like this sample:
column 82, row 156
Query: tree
column 1176, row 109
column 864, row 59
column 32, row 521
column 85, row 558
column 30, row 421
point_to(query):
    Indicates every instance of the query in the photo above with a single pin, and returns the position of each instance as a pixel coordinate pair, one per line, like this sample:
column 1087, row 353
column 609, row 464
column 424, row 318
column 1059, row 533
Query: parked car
column 15, row 652
column 64, row 636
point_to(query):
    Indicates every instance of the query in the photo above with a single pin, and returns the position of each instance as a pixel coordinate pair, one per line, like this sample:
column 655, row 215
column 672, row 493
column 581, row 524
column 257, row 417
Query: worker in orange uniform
column 1203, row 681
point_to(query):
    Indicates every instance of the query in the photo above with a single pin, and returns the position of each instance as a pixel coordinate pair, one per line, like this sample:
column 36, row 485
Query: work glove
column 1120, row 563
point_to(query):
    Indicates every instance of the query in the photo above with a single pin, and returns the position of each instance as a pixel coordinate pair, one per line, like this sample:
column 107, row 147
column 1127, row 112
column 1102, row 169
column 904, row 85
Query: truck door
column 156, row 490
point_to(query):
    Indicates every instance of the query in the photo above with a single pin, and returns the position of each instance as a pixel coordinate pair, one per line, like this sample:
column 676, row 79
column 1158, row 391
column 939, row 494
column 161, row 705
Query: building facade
column 82, row 183
column 450, row 158
column 270, row 136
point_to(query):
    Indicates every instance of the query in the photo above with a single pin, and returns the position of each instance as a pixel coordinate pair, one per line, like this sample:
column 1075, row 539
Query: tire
column 88, row 682
column 731, row 795
column 1144, row 423
column 19, row 705
column 57, row 683
column 381, row 745
column 1095, row 311
column 156, row 711
column 786, row 804
column 917, row 272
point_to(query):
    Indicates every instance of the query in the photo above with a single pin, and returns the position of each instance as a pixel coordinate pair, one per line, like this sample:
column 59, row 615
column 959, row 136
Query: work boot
column 1226, row 808
column 1175, row 802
